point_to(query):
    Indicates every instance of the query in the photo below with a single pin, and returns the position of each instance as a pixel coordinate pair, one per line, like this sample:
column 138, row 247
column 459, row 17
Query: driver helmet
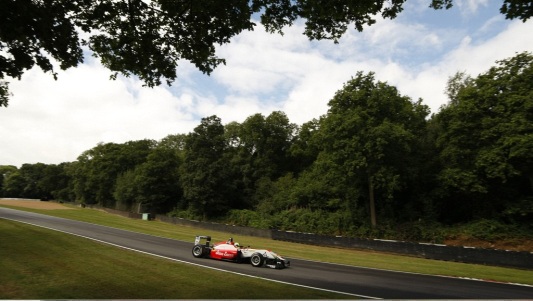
column 237, row 245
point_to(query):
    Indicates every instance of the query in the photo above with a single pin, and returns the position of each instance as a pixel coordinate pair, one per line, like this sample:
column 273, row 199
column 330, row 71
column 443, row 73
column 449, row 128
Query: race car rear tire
column 257, row 260
column 198, row 251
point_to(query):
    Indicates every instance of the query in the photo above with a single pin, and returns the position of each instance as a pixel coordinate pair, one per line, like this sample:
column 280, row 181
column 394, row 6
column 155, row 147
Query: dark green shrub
column 186, row 214
column 489, row 230
column 426, row 231
column 248, row 218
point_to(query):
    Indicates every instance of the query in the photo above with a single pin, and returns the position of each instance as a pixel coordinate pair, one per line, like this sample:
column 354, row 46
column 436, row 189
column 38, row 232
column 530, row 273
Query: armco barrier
column 523, row 260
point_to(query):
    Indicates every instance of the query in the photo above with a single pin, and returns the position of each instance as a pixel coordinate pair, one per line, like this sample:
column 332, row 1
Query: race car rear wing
column 199, row 238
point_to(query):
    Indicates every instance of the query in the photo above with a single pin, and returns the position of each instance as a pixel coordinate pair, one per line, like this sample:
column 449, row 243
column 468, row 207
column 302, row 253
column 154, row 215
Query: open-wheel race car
column 232, row 251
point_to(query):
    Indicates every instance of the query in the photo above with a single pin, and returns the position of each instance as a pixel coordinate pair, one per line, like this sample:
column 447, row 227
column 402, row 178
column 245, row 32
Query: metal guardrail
column 503, row 258
column 514, row 259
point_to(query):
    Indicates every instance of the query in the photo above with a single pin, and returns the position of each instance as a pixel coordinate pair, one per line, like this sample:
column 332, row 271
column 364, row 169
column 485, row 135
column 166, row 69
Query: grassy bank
column 38, row 263
column 342, row 256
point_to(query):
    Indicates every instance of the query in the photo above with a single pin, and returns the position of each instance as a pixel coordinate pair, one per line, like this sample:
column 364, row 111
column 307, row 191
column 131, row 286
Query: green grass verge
column 293, row 250
column 38, row 263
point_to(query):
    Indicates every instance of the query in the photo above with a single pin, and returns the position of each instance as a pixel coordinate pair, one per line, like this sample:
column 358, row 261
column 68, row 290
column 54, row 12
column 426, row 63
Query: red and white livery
column 232, row 251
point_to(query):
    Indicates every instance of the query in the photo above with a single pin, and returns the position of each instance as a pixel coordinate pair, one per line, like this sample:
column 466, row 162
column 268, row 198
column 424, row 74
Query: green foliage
column 517, row 9
column 320, row 188
column 175, row 143
column 5, row 172
column 4, row 93
column 487, row 229
column 189, row 213
column 368, row 138
column 34, row 181
column 299, row 220
column 491, row 230
column 248, row 218
column 485, row 137
column 13, row 184
column 520, row 211
column 204, row 178
column 126, row 190
column 258, row 151
column 305, row 146
column 158, row 181
column 421, row 230
column 97, row 169
column 152, row 186
column 374, row 154
column 32, row 33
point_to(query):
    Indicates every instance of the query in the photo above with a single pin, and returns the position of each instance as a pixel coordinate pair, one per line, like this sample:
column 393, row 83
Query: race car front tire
column 257, row 260
column 198, row 251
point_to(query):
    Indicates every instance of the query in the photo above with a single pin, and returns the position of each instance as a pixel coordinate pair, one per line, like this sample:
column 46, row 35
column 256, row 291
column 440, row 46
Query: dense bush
column 339, row 223
column 248, row 218
column 299, row 220
column 186, row 214
column 490, row 230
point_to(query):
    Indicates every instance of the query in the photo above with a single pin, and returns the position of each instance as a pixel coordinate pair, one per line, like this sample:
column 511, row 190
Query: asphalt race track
column 359, row 282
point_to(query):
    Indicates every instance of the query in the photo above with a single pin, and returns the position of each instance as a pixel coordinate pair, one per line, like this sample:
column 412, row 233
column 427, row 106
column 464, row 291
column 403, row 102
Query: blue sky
column 55, row 121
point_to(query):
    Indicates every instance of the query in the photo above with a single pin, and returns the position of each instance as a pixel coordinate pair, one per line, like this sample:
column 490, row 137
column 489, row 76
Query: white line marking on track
column 195, row 264
column 415, row 273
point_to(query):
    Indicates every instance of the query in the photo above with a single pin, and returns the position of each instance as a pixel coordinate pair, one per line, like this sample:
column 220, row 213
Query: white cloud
column 54, row 121
column 259, row 62
column 472, row 57
column 470, row 7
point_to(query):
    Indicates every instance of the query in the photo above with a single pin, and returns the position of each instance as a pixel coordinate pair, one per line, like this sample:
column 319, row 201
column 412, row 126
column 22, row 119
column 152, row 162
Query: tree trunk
column 531, row 181
column 371, row 199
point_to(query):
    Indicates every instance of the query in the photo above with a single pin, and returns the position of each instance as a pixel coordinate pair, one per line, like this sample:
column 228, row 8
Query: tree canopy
column 369, row 136
column 148, row 39
column 373, row 164
column 486, row 135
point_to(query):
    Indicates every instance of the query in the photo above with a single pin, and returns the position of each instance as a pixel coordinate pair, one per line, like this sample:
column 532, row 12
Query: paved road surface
column 362, row 282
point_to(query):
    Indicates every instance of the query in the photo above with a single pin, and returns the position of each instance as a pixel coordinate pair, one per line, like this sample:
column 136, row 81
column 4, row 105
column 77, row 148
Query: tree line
column 375, row 160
